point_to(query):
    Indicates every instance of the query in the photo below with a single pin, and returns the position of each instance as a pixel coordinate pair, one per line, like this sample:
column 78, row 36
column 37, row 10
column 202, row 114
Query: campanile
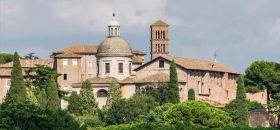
column 159, row 39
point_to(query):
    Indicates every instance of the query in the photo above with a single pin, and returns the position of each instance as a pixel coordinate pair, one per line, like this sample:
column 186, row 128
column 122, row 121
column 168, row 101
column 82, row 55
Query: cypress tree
column 74, row 104
column 17, row 91
column 242, row 108
column 114, row 94
column 191, row 95
column 173, row 85
column 87, row 99
column 53, row 101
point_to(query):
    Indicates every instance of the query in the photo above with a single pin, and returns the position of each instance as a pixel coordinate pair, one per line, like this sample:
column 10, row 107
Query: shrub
column 197, row 113
column 191, row 95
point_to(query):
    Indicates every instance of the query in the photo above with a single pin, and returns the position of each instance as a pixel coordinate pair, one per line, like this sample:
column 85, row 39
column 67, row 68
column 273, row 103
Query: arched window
column 102, row 93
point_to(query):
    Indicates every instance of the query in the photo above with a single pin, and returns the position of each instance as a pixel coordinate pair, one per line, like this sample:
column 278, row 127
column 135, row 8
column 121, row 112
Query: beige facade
column 113, row 59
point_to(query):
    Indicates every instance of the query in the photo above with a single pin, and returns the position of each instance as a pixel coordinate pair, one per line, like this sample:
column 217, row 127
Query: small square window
column 161, row 64
column 65, row 62
column 74, row 62
column 64, row 76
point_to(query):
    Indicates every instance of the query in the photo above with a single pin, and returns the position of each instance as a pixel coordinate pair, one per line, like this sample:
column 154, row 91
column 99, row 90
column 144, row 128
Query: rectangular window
column 120, row 67
column 90, row 64
column 90, row 75
column 8, row 82
column 82, row 76
column 65, row 62
column 107, row 68
column 161, row 64
column 64, row 76
column 129, row 68
column 74, row 62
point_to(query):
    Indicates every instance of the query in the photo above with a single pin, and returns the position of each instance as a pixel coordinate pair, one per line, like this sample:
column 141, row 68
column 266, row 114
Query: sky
column 239, row 31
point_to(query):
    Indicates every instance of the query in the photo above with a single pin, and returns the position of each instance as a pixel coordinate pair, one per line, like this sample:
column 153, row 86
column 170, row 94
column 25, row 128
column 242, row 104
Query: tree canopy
column 5, row 58
column 17, row 91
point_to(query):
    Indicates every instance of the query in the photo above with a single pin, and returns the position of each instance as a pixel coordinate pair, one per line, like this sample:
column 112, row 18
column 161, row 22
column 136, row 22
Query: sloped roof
column 158, row 77
column 68, row 55
column 138, row 52
column 99, row 80
column 29, row 63
column 88, row 49
column 79, row 49
column 137, row 60
column 159, row 23
column 195, row 64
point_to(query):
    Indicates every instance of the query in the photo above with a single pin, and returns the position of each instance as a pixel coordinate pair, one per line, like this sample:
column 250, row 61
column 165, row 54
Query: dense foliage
column 87, row 104
column 128, row 110
column 17, row 91
column 53, row 101
column 114, row 94
column 31, row 56
column 5, row 58
column 197, row 113
column 74, row 104
column 191, row 95
column 25, row 115
column 241, row 102
column 264, row 75
column 173, row 84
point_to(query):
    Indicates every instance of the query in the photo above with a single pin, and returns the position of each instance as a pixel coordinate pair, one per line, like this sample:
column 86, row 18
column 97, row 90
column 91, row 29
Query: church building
column 115, row 59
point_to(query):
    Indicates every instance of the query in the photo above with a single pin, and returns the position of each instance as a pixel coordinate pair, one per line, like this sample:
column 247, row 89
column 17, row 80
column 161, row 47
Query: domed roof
column 114, row 46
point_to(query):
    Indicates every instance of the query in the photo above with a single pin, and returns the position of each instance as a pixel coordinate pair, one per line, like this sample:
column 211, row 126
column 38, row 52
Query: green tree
column 264, row 75
column 173, row 84
column 53, row 101
column 39, row 81
column 242, row 110
column 17, row 91
column 88, row 104
column 5, row 58
column 197, row 113
column 31, row 56
column 27, row 116
column 74, row 103
column 129, row 110
column 114, row 94
column 238, row 108
column 191, row 95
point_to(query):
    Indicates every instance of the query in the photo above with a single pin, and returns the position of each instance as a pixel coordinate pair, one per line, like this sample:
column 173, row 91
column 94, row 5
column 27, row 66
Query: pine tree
column 191, row 95
column 242, row 108
column 114, row 94
column 88, row 104
column 173, row 85
column 53, row 101
column 17, row 91
column 74, row 104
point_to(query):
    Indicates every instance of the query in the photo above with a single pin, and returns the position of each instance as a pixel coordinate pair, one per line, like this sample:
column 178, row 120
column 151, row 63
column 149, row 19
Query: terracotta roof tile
column 29, row 63
column 68, row 55
column 196, row 64
column 137, row 60
column 159, row 77
column 79, row 49
column 99, row 80
column 137, row 52
column 160, row 23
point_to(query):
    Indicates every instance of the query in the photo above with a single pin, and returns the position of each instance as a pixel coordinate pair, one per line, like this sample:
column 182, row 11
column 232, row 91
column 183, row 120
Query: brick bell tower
column 159, row 39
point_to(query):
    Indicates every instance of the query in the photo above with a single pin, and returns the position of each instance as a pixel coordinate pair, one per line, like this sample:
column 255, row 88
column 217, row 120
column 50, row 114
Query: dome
column 114, row 46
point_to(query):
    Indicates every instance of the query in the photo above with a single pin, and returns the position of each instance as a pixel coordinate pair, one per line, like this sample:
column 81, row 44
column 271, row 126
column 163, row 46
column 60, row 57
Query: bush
column 191, row 95
column 197, row 113
column 128, row 110
column 24, row 115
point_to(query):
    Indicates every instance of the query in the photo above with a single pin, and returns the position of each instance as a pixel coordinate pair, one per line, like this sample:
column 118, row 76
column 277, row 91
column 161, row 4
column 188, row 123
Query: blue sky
column 239, row 31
